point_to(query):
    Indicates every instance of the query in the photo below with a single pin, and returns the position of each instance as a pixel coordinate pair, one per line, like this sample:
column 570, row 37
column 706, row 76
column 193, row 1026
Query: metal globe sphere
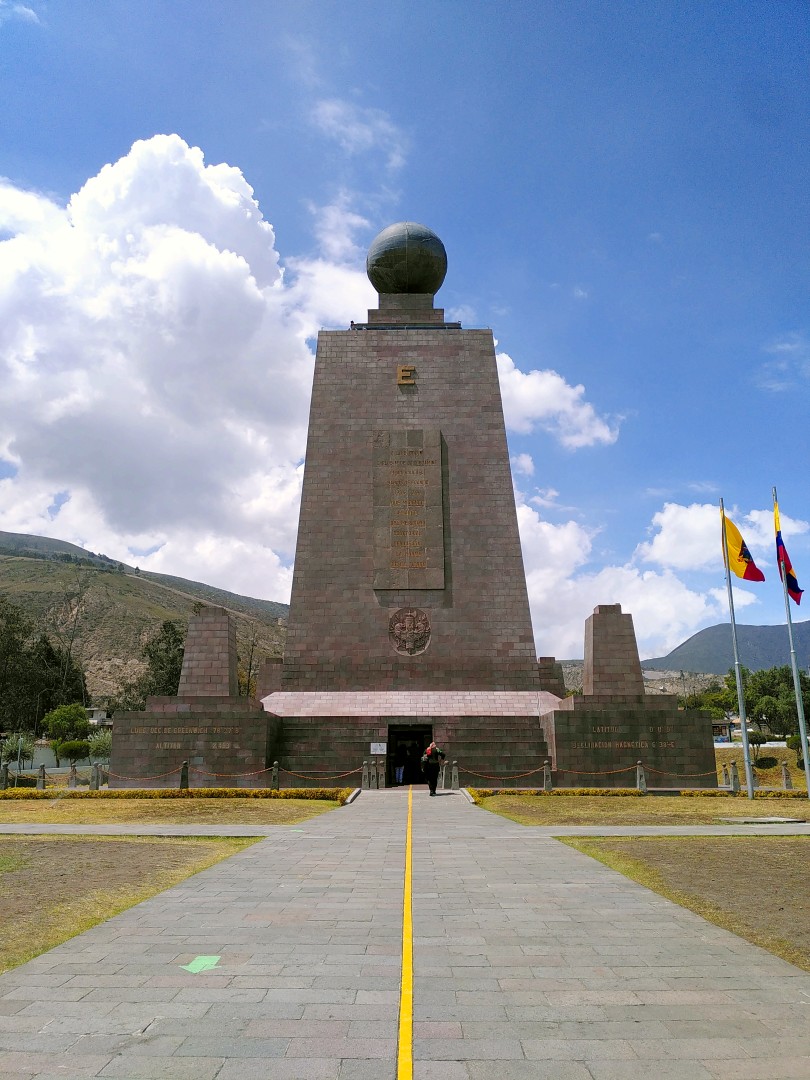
column 406, row 258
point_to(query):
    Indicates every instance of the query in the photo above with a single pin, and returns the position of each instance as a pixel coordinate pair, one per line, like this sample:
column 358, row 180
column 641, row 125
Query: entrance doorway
column 406, row 744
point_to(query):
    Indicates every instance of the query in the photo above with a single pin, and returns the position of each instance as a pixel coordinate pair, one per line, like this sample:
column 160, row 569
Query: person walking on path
column 431, row 763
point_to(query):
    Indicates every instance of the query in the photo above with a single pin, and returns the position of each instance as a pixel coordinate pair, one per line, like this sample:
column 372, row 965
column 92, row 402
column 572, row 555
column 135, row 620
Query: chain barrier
column 608, row 772
column 205, row 772
column 517, row 776
column 337, row 776
column 160, row 776
column 686, row 775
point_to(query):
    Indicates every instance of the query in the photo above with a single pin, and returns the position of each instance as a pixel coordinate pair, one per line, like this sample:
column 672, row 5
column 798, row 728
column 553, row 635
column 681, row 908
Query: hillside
column 114, row 610
column 760, row 647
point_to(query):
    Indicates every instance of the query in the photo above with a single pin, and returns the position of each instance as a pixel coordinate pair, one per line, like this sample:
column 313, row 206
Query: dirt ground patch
column 651, row 810
column 52, row 888
column 58, row 811
column 754, row 886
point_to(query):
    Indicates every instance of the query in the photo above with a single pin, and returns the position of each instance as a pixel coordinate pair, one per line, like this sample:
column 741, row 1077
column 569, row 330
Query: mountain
column 109, row 608
column 710, row 650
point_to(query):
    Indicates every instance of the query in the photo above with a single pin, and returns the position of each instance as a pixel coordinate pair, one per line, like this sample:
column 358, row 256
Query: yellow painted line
column 405, row 1052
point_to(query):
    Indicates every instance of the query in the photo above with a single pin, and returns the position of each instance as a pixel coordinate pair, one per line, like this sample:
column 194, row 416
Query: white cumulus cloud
column 544, row 399
column 154, row 368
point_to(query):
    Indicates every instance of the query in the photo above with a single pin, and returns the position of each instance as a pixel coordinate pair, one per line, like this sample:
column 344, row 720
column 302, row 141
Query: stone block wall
column 460, row 623
column 209, row 659
column 227, row 742
column 612, row 665
column 598, row 743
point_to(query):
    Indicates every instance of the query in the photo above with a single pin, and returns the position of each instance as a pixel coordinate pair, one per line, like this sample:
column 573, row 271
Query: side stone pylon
column 227, row 740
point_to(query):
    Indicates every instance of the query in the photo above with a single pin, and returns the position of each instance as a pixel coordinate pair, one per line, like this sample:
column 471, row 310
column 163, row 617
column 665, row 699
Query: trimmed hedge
column 338, row 795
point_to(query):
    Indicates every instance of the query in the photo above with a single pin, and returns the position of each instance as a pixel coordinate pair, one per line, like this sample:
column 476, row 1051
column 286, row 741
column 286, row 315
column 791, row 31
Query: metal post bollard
column 41, row 779
column 443, row 784
column 94, row 777
column 72, row 776
column 547, row 775
column 641, row 779
column 364, row 778
column 4, row 776
column 735, row 778
column 274, row 777
column 381, row 773
column 184, row 776
column 726, row 780
column 454, row 777
column 787, row 783
column 372, row 774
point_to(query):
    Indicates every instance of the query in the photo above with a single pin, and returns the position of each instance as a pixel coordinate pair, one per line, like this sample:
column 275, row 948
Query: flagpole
column 749, row 776
column 797, row 683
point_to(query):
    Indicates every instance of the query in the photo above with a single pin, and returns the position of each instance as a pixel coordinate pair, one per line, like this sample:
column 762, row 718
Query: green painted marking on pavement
column 201, row 963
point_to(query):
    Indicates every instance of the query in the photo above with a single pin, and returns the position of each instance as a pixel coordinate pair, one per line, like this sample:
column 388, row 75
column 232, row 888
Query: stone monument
column 227, row 740
column 598, row 736
column 409, row 617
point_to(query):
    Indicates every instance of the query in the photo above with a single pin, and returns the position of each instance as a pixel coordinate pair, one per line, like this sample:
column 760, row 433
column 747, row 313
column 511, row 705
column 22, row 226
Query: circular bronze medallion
column 409, row 631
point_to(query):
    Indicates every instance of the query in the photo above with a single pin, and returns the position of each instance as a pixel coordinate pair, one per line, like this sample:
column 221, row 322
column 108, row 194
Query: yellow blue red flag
column 739, row 557
column 783, row 561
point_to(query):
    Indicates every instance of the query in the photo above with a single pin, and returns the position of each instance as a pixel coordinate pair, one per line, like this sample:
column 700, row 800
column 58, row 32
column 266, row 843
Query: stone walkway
column 530, row 961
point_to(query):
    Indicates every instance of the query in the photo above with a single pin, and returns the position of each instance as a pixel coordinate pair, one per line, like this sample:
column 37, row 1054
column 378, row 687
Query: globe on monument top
column 406, row 258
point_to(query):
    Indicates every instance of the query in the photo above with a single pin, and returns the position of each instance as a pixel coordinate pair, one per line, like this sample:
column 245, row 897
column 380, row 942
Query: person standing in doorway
column 431, row 763
column 400, row 758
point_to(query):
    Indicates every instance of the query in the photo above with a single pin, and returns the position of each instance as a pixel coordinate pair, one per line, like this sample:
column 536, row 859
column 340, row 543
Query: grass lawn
column 59, row 811
column 755, row 886
column 651, row 810
column 52, row 888
column 769, row 774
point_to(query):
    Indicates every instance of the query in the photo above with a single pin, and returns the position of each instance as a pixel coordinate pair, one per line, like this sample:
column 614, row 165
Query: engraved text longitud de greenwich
column 409, row 544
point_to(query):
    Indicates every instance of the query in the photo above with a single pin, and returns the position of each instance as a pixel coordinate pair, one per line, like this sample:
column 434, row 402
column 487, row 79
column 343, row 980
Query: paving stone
column 560, row 965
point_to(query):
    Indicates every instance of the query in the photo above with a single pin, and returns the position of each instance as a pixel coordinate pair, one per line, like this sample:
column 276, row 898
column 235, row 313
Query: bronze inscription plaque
column 408, row 524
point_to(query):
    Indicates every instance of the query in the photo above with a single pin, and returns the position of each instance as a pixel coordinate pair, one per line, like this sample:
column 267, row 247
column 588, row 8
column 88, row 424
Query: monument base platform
column 493, row 735
column 597, row 740
column 227, row 742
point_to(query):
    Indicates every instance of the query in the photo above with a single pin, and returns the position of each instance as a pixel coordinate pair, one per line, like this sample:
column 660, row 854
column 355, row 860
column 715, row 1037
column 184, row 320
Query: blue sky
column 190, row 189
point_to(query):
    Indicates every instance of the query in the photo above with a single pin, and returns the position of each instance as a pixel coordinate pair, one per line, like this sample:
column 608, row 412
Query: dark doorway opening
column 406, row 744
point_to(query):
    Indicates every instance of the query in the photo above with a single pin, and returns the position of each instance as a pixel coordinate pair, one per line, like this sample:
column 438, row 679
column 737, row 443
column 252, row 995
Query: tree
column 755, row 740
column 15, row 629
column 163, row 652
column 67, row 722
column 35, row 675
column 100, row 745
column 246, row 668
column 74, row 750
column 22, row 745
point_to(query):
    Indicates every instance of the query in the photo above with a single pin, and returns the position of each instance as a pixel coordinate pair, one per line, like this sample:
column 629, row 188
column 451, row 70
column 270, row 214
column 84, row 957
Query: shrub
column 74, row 750
column 338, row 795
column 100, row 745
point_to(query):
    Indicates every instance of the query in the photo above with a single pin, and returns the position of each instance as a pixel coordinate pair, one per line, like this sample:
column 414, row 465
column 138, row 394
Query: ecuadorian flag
column 739, row 557
column 783, row 561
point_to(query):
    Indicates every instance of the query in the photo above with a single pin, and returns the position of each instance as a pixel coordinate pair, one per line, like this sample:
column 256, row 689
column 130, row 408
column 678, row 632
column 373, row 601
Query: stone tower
column 408, row 568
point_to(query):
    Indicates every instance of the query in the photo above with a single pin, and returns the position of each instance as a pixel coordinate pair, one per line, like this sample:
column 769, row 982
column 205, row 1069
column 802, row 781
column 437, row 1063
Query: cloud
column 154, row 368
column 563, row 592
column 335, row 228
column 789, row 363
column 544, row 399
column 688, row 537
column 22, row 12
column 361, row 130
column 522, row 464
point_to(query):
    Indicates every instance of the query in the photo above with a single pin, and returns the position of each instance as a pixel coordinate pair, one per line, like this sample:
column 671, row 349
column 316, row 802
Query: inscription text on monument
column 408, row 525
